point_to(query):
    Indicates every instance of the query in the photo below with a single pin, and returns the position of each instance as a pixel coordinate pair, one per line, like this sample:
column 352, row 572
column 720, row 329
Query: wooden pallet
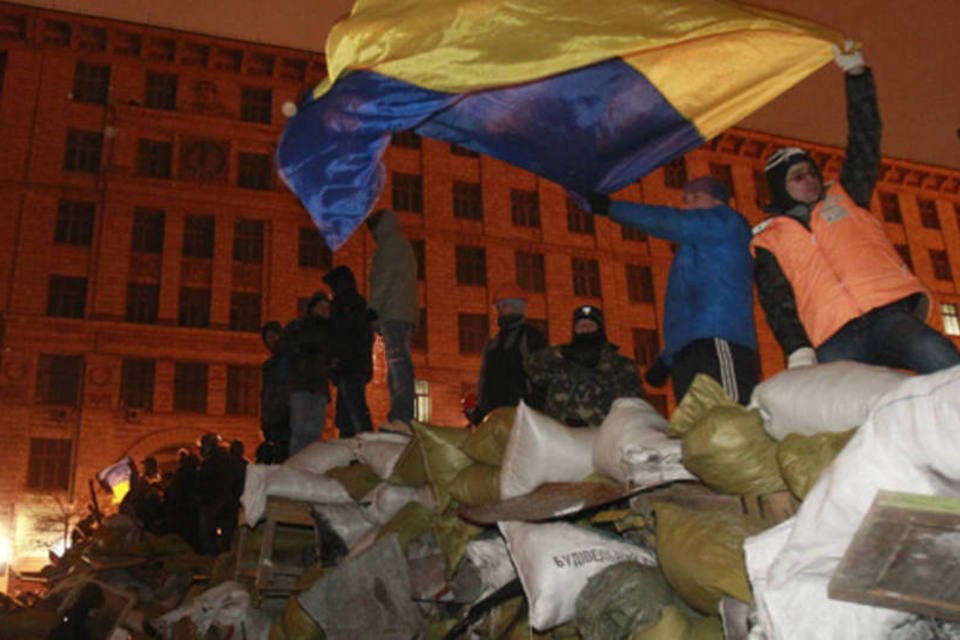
column 905, row 556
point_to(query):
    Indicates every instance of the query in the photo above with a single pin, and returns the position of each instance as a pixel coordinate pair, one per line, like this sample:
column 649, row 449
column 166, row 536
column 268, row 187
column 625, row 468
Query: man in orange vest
column 830, row 281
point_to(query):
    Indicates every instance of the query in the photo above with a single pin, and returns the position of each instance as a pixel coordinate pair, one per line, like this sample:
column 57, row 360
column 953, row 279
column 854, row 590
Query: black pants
column 352, row 414
column 735, row 367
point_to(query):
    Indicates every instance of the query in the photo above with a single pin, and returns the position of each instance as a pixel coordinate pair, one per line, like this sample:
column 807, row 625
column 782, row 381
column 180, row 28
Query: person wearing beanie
column 503, row 381
column 708, row 323
column 848, row 295
column 275, row 391
column 310, row 386
column 582, row 378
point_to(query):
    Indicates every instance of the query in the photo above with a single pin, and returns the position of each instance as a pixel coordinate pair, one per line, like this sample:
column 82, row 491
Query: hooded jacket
column 393, row 274
column 503, row 381
column 351, row 334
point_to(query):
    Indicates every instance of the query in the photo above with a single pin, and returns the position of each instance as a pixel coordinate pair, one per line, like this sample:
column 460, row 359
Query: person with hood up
column 831, row 282
column 351, row 352
column 503, row 381
column 213, row 496
column 708, row 324
column 393, row 297
column 583, row 378
column 275, row 392
column 310, row 388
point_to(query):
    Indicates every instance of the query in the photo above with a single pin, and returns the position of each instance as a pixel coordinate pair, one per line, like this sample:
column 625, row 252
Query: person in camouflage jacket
column 584, row 377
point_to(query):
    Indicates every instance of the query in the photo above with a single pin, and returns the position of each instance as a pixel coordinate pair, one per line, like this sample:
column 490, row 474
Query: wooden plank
column 548, row 501
column 905, row 555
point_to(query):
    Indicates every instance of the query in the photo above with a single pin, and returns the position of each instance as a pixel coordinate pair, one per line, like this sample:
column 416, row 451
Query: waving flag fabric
column 591, row 95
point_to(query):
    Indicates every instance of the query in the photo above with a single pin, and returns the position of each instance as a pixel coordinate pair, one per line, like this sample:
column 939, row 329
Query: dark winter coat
column 310, row 341
column 503, row 380
column 351, row 331
column 275, row 377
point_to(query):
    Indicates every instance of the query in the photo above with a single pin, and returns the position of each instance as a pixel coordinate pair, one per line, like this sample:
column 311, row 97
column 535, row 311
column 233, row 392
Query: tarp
column 591, row 95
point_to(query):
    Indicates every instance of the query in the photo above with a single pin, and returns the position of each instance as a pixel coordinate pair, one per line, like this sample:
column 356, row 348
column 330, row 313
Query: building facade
column 144, row 238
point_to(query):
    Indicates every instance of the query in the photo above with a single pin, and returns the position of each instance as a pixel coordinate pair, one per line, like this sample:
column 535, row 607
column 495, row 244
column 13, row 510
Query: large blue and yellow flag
column 589, row 94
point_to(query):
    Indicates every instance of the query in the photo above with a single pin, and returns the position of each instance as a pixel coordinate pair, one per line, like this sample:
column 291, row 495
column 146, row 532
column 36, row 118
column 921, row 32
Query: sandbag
column 264, row 480
column 704, row 394
column 729, row 450
column 348, row 520
column 621, row 599
column 491, row 559
column 409, row 469
column 453, row 533
column 803, row 458
column 542, row 449
column 488, row 442
column 477, row 484
column 295, row 624
column 357, row 479
column 442, row 457
column 381, row 504
column 828, row 397
column 554, row 561
column 410, row 523
column 320, row 457
column 701, row 553
column 380, row 450
column 673, row 624
column 631, row 446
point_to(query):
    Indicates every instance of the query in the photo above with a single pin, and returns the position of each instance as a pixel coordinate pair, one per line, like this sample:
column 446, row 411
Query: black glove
column 599, row 203
column 658, row 373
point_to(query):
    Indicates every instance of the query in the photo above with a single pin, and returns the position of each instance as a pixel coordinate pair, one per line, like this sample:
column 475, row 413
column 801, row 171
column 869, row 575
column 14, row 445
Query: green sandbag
column 731, row 452
column 704, row 394
column 412, row 521
column 295, row 624
column 701, row 553
column 803, row 458
column 357, row 479
column 442, row 457
column 453, row 534
column 477, row 484
column 488, row 441
column 409, row 470
column 621, row 599
column 675, row 625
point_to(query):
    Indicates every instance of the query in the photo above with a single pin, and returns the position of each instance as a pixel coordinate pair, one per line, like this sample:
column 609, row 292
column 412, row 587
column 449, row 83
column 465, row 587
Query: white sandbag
column 385, row 500
column 492, row 560
column 908, row 443
column 554, row 561
column 632, row 446
column 320, row 457
column 380, row 451
column 223, row 606
column 348, row 520
column 833, row 397
column 264, row 480
column 542, row 449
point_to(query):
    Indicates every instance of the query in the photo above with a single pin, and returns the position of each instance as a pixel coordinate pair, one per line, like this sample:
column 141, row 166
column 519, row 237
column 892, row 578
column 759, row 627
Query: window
column 928, row 213
column 198, row 234
column 194, row 307
column 762, row 187
column 941, row 265
column 227, row 59
column 48, row 468
column 244, row 311
column 90, row 38
column 407, row 192
column 136, row 383
column 419, row 252
column 578, row 220
column 890, row 207
column 243, row 391
column 473, row 330
column 148, row 226
column 3, row 69
column 254, row 171
column 83, row 151
column 75, row 223
column 675, row 173
column 586, row 277
column 161, row 91
column 248, row 240
column 541, row 325
column 190, row 387
column 313, row 252
column 421, row 401
column 143, row 302
column 467, row 201
column 471, row 265
column 91, row 83
column 66, row 296
column 194, row 54
column 58, row 379
column 632, row 234
column 13, row 27
column 418, row 340
column 904, row 252
column 525, row 208
column 639, row 283
column 724, row 174
column 530, row 272
column 458, row 150
column 126, row 44
column 951, row 321
column 56, row 33
column 154, row 158
column 646, row 346
column 256, row 105
column 260, row 64
column 406, row 139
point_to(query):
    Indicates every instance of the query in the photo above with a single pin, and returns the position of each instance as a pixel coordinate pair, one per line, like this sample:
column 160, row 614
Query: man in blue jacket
column 708, row 322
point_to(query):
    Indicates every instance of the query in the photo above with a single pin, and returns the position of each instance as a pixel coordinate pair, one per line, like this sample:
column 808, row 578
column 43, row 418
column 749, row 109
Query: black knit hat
column 778, row 164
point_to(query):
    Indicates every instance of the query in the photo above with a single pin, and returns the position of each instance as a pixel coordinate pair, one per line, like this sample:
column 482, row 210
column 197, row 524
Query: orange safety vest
column 840, row 269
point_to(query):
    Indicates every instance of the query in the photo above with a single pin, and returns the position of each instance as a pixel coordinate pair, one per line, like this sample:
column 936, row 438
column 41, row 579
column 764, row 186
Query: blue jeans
column 396, row 341
column 308, row 413
column 891, row 336
column 352, row 415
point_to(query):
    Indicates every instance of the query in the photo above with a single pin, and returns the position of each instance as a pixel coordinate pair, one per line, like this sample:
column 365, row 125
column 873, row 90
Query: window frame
column 586, row 277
